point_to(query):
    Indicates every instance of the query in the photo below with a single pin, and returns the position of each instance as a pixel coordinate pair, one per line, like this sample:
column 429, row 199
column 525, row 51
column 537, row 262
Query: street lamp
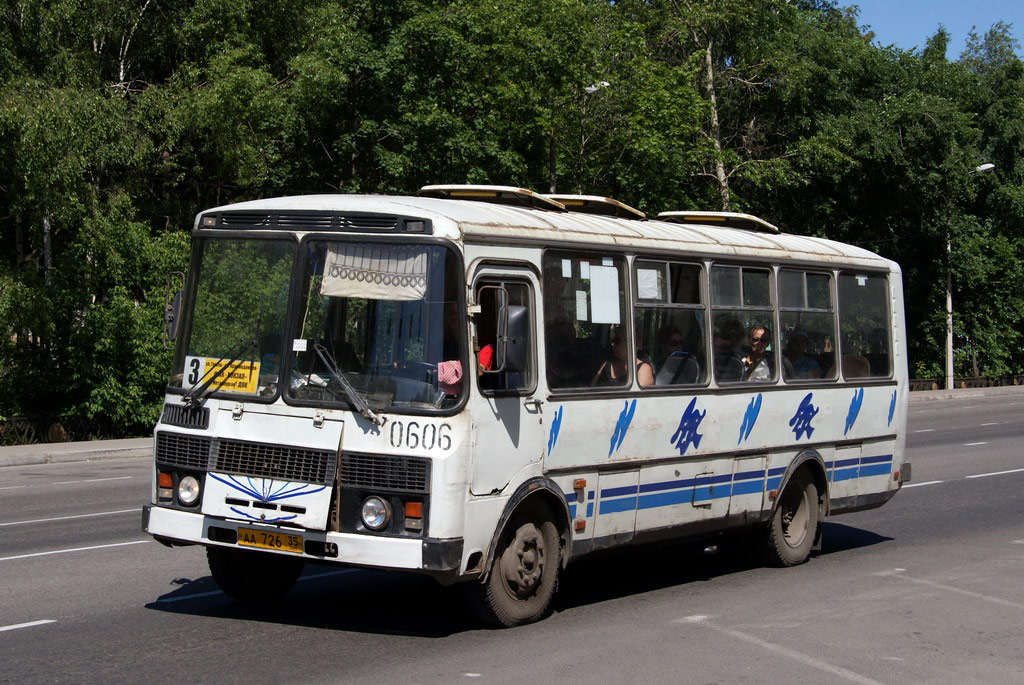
column 589, row 90
column 980, row 169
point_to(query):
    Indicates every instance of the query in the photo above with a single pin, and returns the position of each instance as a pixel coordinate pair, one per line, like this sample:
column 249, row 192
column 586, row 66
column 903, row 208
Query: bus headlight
column 376, row 513
column 188, row 490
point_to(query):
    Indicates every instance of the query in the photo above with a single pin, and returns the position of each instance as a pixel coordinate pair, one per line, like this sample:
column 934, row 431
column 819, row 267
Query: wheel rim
column 796, row 512
column 522, row 563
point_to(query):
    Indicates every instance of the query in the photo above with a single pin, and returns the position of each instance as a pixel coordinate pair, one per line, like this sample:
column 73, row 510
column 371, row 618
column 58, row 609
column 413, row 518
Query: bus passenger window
column 670, row 321
column 742, row 324
column 584, row 302
column 864, row 326
column 808, row 325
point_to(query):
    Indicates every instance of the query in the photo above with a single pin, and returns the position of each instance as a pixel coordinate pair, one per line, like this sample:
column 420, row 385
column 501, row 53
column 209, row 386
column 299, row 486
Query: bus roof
column 478, row 222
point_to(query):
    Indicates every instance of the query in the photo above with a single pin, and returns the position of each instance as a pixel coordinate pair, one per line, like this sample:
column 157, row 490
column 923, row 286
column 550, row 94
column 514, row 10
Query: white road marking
column 74, row 549
column 90, row 480
column 78, row 516
column 15, row 487
column 16, row 626
column 211, row 593
column 927, row 482
column 831, row 669
column 471, row 675
column 925, row 430
column 898, row 573
column 974, row 444
column 993, row 423
column 996, row 473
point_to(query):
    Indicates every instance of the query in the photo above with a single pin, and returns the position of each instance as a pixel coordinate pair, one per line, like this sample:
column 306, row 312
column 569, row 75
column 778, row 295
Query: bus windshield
column 238, row 316
column 380, row 321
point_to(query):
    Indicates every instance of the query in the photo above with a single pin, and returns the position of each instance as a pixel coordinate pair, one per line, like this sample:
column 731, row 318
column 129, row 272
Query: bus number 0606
column 412, row 435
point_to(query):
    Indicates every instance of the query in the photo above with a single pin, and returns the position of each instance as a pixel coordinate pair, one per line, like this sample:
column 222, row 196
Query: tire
column 253, row 577
column 794, row 523
column 523, row 576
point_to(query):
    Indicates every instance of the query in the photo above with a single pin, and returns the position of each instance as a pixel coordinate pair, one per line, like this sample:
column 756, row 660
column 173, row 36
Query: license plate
column 282, row 542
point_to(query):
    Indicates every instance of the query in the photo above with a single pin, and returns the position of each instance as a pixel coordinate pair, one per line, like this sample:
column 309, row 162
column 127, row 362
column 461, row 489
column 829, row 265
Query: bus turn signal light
column 164, row 480
column 414, row 510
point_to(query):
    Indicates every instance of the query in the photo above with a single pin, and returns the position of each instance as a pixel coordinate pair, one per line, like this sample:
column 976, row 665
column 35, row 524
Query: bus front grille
column 281, row 462
column 185, row 416
column 408, row 474
column 186, row 451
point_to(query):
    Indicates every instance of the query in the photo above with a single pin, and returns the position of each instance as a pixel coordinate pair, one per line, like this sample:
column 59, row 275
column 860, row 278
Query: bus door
column 506, row 405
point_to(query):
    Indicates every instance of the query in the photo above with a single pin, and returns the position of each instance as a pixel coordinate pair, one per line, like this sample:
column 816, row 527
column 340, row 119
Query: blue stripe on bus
column 572, row 511
column 707, row 488
column 613, row 506
column 619, row 491
column 877, row 470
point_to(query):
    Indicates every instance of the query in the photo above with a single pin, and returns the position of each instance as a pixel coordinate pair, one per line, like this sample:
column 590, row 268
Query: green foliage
column 119, row 121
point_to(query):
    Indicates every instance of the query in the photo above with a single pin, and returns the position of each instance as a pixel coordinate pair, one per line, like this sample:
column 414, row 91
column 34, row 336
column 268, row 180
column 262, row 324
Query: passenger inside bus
column 614, row 370
column 728, row 358
column 756, row 365
column 675, row 364
column 801, row 364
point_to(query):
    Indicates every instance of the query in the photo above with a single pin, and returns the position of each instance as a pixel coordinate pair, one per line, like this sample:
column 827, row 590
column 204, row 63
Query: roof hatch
column 747, row 222
column 595, row 204
column 502, row 195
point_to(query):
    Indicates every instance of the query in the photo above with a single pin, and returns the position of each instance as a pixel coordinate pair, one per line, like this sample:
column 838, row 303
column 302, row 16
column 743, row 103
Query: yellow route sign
column 242, row 376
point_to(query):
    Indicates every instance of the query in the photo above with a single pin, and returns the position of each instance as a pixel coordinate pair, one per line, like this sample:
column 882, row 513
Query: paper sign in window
column 649, row 284
column 604, row 295
column 581, row 305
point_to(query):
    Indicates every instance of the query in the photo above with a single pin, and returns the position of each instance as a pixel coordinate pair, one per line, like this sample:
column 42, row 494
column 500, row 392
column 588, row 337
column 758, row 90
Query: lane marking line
column 90, row 480
column 211, row 593
column 15, row 487
column 974, row 444
column 996, row 473
column 898, row 573
column 74, row 549
column 927, row 482
column 805, row 659
column 65, row 518
column 993, row 423
column 925, row 430
column 17, row 626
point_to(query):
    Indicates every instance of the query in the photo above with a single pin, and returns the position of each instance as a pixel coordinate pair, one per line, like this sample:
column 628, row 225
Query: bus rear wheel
column 794, row 523
column 253, row 577
column 523, row 577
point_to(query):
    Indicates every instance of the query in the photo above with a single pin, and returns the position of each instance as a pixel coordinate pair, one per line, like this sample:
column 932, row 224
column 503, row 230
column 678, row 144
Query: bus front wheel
column 524, row 574
column 252, row 577
column 794, row 523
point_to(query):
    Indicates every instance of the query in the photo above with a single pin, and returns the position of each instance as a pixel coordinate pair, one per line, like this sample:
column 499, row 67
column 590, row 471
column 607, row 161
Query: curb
column 66, row 452
column 965, row 393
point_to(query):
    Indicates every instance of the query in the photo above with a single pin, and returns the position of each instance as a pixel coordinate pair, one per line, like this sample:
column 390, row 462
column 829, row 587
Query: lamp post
column 589, row 90
column 981, row 169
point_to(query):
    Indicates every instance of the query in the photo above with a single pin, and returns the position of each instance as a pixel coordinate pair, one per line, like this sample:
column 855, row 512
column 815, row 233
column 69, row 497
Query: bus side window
column 516, row 372
column 808, row 325
column 584, row 310
column 864, row 326
column 670, row 321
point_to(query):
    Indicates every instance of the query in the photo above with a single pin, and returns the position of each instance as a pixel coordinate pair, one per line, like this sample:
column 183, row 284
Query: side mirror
column 172, row 307
column 517, row 337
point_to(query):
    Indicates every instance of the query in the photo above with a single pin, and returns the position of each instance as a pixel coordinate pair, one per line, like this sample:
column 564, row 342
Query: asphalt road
column 927, row 588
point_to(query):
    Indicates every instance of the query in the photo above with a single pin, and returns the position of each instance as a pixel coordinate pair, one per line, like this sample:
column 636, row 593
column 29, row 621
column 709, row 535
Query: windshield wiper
column 354, row 397
column 195, row 400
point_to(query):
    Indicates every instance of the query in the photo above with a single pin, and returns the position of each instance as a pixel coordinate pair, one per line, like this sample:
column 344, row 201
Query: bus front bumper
column 432, row 555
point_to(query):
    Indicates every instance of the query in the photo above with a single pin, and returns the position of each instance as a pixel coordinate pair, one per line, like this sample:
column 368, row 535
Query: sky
column 908, row 23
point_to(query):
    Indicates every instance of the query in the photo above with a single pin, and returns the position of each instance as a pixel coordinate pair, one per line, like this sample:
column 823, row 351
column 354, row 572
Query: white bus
column 482, row 384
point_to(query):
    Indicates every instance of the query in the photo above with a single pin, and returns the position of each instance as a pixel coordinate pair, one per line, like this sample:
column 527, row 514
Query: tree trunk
column 716, row 132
